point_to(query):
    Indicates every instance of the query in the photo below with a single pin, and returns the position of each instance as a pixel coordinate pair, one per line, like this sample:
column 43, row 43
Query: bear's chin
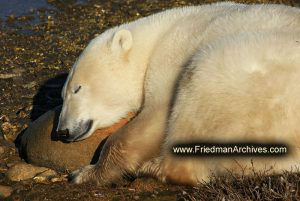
column 83, row 133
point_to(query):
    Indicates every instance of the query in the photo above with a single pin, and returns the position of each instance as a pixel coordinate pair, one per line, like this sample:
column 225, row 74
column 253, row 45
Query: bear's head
column 102, row 87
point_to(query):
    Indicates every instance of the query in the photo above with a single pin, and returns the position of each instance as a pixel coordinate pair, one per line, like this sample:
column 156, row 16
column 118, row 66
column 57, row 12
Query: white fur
column 214, row 72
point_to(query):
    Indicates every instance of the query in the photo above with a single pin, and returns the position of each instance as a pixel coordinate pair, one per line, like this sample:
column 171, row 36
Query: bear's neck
column 147, row 32
column 147, row 35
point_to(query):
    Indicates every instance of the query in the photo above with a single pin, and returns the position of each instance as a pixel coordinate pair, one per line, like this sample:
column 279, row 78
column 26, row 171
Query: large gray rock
column 40, row 146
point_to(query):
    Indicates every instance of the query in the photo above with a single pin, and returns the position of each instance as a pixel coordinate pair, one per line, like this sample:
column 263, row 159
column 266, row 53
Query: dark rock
column 40, row 146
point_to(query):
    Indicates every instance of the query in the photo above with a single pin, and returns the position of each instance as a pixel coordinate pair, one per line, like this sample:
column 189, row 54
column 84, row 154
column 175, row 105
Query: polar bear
column 221, row 72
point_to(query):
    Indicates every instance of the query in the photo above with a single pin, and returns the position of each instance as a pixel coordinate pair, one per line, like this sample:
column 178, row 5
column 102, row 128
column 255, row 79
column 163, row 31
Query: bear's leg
column 183, row 127
column 127, row 149
column 171, row 170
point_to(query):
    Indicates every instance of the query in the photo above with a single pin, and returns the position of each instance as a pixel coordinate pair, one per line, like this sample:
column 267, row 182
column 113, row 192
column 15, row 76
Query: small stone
column 24, row 171
column 9, row 130
column 9, row 75
column 136, row 197
column 21, row 114
column 4, row 118
column 2, row 150
column 48, row 173
column 5, row 191
column 44, row 177
column 40, row 179
column 58, row 179
column 10, row 164
column 6, row 127
column 98, row 194
column 3, row 168
column 30, row 85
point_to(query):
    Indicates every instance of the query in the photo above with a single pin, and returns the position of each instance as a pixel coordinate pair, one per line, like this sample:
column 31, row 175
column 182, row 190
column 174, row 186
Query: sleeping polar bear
column 223, row 72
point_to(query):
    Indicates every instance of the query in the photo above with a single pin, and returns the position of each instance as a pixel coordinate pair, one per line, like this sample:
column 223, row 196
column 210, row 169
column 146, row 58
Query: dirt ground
column 37, row 50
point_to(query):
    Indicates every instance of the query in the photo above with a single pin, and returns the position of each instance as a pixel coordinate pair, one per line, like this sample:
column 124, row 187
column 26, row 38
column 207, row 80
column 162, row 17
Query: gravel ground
column 36, row 51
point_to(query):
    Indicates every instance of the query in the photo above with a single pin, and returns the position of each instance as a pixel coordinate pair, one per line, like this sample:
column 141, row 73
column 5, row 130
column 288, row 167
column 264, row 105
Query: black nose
column 63, row 133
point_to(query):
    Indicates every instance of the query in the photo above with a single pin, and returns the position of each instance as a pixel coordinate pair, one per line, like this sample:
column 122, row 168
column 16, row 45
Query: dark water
column 21, row 7
column 18, row 8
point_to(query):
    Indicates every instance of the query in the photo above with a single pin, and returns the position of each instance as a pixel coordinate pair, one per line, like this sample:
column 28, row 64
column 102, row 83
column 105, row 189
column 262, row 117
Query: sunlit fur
column 216, row 72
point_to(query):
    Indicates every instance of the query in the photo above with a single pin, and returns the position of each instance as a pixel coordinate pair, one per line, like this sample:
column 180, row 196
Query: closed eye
column 77, row 90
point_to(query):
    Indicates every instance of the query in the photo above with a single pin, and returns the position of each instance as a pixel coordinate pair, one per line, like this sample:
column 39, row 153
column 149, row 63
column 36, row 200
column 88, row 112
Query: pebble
column 45, row 176
column 30, row 85
column 97, row 194
column 23, row 171
column 9, row 130
column 39, row 179
column 4, row 118
column 6, row 126
column 2, row 150
column 9, row 75
column 59, row 179
column 10, row 164
column 48, row 173
column 5, row 191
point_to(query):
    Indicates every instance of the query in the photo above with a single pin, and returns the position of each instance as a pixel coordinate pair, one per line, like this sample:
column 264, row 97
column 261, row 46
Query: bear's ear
column 122, row 40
